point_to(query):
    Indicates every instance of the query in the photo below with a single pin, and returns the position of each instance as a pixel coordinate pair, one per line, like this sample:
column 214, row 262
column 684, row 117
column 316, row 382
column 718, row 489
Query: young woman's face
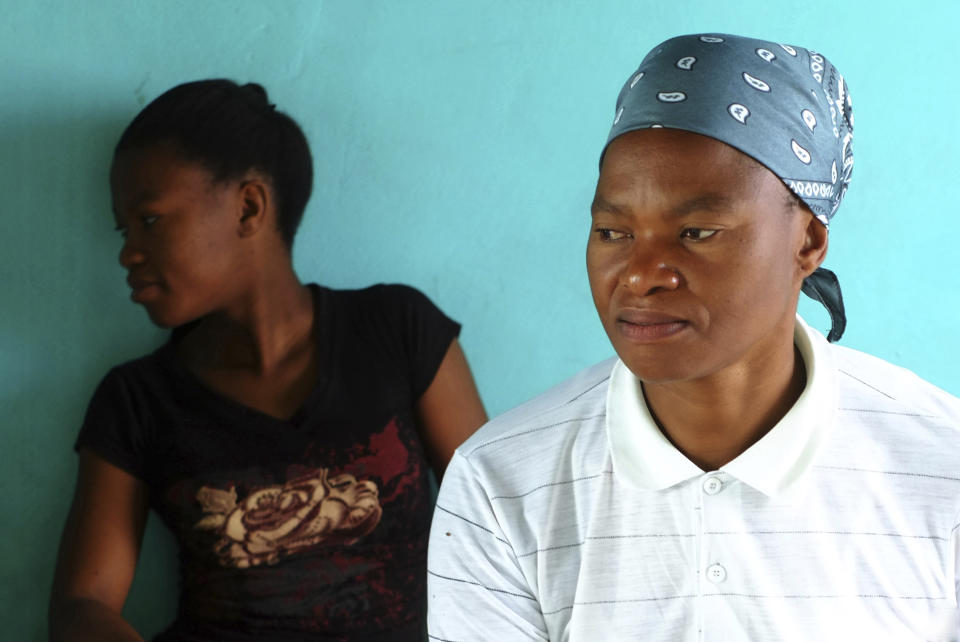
column 182, row 246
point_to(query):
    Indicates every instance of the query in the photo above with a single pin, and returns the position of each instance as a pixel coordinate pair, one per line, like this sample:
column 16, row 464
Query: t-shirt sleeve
column 112, row 427
column 425, row 333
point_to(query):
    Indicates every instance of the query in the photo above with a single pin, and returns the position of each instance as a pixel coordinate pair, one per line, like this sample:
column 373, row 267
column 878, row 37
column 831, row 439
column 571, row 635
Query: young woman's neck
column 269, row 323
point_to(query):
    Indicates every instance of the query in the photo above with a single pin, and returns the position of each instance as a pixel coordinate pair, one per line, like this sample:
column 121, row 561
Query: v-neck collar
column 222, row 404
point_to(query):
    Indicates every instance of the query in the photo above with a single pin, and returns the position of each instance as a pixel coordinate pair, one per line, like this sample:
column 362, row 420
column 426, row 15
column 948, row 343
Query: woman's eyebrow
column 600, row 204
column 143, row 198
column 710, row 202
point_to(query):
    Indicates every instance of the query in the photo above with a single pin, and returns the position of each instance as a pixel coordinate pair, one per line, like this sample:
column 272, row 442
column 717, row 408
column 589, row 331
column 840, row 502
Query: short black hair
column 230, row 129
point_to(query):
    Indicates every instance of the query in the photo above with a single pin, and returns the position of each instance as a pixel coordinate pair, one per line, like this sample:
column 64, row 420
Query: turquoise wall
column 456, row 149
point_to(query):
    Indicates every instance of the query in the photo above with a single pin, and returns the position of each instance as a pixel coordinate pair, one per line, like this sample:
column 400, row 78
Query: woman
column 284, row 432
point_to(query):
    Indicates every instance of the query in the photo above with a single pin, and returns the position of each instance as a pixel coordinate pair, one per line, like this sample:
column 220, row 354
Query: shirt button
column 716, row 573
column 712, row 485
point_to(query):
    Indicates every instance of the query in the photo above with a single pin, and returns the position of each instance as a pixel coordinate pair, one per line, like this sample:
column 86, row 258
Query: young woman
column 285, row 431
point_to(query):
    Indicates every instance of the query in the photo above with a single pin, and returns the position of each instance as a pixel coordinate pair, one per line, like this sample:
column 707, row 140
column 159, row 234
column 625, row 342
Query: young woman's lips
column 142, row 290
column 647, row 326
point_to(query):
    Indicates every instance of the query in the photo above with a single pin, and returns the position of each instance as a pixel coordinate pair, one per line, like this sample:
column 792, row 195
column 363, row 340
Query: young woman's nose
column 130, row 254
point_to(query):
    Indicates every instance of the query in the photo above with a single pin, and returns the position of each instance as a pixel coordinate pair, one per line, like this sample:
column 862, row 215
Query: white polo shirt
column 573, row 518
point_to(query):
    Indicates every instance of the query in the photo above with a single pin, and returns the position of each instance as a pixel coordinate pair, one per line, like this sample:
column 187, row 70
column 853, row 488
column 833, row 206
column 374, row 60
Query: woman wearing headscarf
column 732, row 474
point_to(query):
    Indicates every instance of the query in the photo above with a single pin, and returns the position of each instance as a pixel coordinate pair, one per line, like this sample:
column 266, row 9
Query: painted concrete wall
column 456, row 149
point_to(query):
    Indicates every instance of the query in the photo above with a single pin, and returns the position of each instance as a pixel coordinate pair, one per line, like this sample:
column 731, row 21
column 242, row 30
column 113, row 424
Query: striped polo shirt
column 572, row 517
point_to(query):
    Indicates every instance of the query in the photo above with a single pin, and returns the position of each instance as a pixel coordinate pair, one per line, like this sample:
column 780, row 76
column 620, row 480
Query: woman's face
column 695, row 256
column 182, row 247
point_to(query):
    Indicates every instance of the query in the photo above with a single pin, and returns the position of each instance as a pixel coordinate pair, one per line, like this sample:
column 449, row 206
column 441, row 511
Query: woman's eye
column 606, row 234
column 122, row 229
column 697, row 233
column 149, row 220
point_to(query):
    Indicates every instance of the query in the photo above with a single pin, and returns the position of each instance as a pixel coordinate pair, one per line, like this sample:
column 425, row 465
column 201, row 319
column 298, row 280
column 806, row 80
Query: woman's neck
column 258, row 331
column 713, row 420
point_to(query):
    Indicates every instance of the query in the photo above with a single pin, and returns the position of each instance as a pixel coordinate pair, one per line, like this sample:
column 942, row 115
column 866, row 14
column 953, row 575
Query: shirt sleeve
column 112, row 427
column 475, row 587
column 425, row 333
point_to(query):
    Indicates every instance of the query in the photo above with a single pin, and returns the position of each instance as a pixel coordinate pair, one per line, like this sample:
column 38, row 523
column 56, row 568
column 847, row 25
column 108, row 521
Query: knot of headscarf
column 786, row 107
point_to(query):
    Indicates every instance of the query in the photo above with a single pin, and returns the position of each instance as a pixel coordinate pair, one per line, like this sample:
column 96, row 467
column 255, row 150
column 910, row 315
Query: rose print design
column 277, row 521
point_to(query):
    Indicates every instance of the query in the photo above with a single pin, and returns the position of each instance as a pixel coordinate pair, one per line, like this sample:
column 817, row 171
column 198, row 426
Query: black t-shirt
column 310, row 528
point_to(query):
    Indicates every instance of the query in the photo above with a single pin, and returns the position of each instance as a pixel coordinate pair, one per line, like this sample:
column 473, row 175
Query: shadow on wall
column 66, row 320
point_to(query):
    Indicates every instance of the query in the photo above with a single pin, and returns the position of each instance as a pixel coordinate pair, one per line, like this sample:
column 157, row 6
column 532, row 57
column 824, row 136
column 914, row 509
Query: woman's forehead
column 141, row 175
column 682, row 172
column 656, row 154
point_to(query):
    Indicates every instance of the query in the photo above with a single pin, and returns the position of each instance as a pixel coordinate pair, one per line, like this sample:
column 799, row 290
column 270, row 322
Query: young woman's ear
column 814, row 249
column 254, row 203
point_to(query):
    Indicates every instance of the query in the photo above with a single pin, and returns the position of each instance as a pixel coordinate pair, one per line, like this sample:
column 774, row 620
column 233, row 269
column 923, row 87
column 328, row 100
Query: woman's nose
column 130, row 254
column 649, row 272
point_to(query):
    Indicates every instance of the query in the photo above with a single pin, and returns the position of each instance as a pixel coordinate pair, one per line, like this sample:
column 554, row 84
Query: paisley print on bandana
column 767, row 105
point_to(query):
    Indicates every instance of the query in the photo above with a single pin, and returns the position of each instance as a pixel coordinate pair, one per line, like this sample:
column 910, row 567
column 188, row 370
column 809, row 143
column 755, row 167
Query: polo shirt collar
column 644, row 458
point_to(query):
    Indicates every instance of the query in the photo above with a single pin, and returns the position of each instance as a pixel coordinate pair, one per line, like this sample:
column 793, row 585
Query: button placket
column 720, row 506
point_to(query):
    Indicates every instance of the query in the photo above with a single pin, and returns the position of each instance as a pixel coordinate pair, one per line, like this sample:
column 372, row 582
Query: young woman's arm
column 98, row 554
column 450, row 410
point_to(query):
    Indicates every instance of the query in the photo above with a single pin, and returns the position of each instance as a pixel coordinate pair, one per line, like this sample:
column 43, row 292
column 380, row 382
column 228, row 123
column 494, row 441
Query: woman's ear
column 255, row 202
column 814, row 248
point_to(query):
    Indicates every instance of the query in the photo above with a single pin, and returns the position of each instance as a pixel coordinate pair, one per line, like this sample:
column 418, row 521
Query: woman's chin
column 163, row 317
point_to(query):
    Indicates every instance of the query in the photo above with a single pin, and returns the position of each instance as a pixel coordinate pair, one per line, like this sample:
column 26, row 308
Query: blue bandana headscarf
column 786, row 107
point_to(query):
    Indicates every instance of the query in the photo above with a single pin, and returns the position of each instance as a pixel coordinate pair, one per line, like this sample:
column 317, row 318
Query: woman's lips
column 142, row 290
column 646, row 326
column 144, row 294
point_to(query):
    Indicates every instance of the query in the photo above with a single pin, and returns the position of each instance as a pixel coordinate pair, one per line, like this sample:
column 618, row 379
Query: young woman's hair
column 231, row 129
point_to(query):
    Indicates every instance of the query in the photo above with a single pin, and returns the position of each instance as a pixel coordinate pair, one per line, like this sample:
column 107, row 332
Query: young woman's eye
column 606, row 234
column 697, row 233
column 122, row 229
column 148, row 220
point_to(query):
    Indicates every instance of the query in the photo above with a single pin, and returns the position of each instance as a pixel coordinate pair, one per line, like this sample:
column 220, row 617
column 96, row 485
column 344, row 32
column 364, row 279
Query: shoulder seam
column 891, row 412
column 590, row 389
column 866, row 384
